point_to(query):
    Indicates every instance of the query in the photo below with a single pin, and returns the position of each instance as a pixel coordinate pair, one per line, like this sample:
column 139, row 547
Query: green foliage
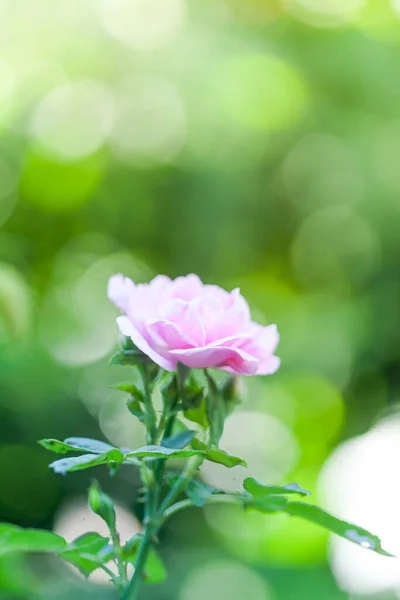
column 179, row 440
column 161, row 452
column 218, row 456
column 259, row 490
column 154, row 570
column 88, row 552
column 199, row 492
column 102, row 505
column 215, row 410
column 16, row 539
column 271, row 499
column 74, row 444
column 86, row 461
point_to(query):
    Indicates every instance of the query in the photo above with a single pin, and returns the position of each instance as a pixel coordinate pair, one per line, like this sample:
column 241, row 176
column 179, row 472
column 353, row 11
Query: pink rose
column 183, row 320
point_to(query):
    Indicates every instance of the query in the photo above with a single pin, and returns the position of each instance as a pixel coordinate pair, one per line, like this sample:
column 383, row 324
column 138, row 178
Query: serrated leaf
column 161, row 452
column 135, row 408
column 318, row 516
column 257, row 489
column 154, row 570
column 74, row 444
column 56, row 446
column 128, row 357
column 88, row 552
column 197, row 414
column 179, row 440
column 86, row 461
column 215, row 411
column 16, row 539
column 218, row 456
column 89, row 445
column 199, row 492
column 131, row 389
column 344, row 529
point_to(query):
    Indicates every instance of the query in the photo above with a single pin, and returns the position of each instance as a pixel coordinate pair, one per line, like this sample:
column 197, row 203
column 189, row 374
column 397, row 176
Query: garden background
column 256, row 143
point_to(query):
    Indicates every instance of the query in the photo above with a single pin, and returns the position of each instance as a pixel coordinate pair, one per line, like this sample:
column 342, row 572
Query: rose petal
column 186, row 318
column 127, row 328
column 166, row 335
column 217, row 356
column 187, row 288
column 269, row 366
column 120, row 290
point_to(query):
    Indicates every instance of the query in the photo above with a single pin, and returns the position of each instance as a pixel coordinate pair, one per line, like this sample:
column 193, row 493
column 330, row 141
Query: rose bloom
column 183, row 320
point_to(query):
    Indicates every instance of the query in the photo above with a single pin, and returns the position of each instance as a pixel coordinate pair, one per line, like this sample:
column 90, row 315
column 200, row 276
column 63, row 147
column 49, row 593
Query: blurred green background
column 256, row 143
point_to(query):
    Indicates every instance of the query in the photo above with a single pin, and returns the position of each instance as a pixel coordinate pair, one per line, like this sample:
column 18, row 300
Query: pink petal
column 119, row 291
column 167, row 335
column 127, row 328
column 269, row 366
column 216, row 356
column 186, row 318
column 187, row 288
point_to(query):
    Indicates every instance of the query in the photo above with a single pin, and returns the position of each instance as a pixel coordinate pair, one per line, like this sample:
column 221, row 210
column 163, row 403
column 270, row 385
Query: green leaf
column 89, row 445
column 161, row 452
column 344, row 529
column 182, row 373
column 266, row 504
column 218, row 456
column 199, row 492
column 154, row 570
column 257, row 489
column 197, row 414
column 131, row 389
column 215, row 410
column 128, row 357
column 179, row 440
column 315, row 514
column 88, row 552
column 74, row 444
column 102, row 505
column 135, row 408
column 16, row 539
column 86, row 461
column 57, row 446
column 229, row 392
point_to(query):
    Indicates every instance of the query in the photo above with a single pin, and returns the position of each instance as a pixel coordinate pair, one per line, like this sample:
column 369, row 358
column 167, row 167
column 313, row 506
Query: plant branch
column 180, row 484
column 215, row 499
column 132, row 590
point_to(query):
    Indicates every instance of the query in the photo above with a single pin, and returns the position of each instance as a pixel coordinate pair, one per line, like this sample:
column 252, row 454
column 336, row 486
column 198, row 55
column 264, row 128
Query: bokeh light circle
column 72, row 121
column 143, row 24
column 270, row 451
column 335, row 246
column 320, row 170
column 359, row 483
column 74, row 518
column 151, row 122
column 224, row 579
column 325, row 13
column 261, row 92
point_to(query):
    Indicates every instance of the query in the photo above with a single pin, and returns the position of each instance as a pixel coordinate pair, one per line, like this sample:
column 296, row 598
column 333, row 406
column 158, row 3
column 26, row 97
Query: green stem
column 150, row 410
column 123, row 576
column 112, row 576
column 132, row 590
column 182, row 481
column 215, row 499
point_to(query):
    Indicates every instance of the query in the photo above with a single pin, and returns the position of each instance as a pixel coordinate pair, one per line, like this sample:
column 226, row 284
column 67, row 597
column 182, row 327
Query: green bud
column 102, row 505
column 169, row 390
column 230, row 393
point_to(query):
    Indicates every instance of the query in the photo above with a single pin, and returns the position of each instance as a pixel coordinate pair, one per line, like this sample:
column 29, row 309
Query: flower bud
column 102, row 505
